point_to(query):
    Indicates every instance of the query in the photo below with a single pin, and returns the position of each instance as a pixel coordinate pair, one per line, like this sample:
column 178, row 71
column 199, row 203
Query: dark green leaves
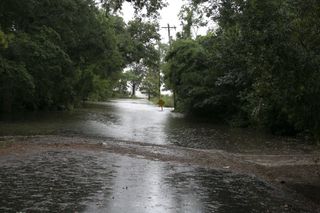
column 61, row 52
column 261, row 65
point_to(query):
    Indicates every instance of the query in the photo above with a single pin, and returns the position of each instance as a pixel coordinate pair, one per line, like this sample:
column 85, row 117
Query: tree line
column 260, row 66
column 56, row 53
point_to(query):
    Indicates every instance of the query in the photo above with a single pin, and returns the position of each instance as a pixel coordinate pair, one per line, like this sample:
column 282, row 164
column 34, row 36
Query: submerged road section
column 128, row 156
column 139, row 120
column 70, row 174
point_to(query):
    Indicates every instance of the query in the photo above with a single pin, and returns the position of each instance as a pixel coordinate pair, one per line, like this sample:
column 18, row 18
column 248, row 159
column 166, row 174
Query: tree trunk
column 133, row 93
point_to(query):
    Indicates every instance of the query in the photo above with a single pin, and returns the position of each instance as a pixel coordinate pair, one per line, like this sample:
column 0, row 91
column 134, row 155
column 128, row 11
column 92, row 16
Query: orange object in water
column 161, row 103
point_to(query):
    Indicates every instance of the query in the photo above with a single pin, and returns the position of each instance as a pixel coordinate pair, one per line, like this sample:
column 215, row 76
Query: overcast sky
column 169, row 15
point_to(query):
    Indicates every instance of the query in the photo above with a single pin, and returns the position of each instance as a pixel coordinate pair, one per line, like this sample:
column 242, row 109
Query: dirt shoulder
column 299, row 173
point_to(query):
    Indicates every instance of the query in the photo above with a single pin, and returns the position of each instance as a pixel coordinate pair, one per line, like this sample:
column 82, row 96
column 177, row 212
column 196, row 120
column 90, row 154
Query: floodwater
column 97, row 181
column 139, row 120
column 78, row 180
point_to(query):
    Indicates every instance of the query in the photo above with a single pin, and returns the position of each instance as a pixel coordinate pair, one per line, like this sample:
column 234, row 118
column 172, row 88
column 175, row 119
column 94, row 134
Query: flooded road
column 139, row 120
column 138, row 163
column 58, row 180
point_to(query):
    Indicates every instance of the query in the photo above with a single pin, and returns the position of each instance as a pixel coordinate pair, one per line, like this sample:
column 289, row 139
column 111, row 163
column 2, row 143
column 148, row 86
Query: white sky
column 169, row 15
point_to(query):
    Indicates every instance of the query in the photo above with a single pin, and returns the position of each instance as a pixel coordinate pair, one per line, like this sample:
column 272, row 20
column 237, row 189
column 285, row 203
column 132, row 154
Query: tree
column 185, row 69
column 16, row 86
column 68, row 49
column 143, row 55
column 135, row 75
column 150, row 6
column 150, row 84
column 259, row 67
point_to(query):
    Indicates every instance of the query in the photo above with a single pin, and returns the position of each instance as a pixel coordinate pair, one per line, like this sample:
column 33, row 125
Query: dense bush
column 260, row 67
column 56, row 53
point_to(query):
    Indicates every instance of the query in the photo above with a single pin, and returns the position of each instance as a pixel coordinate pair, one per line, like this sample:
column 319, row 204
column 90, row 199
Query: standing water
column 139, row 120
column 77, row 180
column 97, row 181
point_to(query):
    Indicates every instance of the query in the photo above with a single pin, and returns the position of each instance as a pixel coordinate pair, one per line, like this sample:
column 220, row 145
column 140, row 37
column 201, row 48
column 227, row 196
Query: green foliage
column 260, row 67
column 150, row 84
column 5, row 39
column 121, row 86
column 102, row 89
column 187, row 66
column 143, row 55
column 144, row 36
column 143, row 8
column 16, row 85
column 49, row 65
column 61, row 52
column 135, row 75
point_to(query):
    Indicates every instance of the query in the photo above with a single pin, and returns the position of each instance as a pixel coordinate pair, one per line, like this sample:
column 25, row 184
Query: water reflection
column 138, row 120
column 96, row 181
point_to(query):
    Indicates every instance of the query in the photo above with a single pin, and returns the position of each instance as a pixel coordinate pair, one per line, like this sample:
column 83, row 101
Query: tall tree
column 65, row 49
column 263, row 65
column 144, row 55
column 144, row 8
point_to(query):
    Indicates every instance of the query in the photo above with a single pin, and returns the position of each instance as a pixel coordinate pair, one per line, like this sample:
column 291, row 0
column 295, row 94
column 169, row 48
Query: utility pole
column 168, row 27
column 159, row 69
